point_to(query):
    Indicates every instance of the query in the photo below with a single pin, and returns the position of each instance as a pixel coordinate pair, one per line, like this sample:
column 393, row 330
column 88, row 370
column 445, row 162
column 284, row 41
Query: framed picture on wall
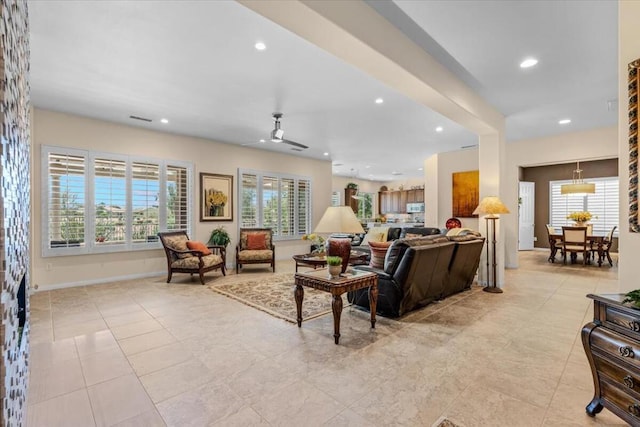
column 466, row 192
column 216, row 197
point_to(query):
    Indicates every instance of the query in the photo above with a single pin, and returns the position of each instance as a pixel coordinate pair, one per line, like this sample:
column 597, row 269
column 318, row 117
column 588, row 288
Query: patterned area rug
column 273, row 294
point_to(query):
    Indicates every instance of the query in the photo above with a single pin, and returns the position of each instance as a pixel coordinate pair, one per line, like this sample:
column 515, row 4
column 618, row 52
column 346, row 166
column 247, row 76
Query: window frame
column 89, row 156
column 259, row 208
column 606, row 227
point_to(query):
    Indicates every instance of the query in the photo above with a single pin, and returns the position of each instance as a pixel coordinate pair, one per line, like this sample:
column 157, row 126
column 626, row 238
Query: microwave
column 415, row 207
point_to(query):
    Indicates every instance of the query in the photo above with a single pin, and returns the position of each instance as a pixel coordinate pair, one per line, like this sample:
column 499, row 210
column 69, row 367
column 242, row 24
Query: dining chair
column 574, row 240
column 606, row 246
column 555, row 244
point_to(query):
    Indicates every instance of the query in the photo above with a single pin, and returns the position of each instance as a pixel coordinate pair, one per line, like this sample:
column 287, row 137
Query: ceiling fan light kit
column 578, row 186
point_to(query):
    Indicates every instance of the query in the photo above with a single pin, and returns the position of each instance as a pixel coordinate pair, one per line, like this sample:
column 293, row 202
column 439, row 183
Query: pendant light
column 578, row 186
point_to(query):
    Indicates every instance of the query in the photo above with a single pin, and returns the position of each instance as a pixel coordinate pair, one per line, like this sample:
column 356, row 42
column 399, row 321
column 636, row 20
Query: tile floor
column 147, row 353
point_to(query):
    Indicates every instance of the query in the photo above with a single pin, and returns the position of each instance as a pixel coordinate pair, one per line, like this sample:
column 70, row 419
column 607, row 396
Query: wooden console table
column 352, row 281
column 612, row 344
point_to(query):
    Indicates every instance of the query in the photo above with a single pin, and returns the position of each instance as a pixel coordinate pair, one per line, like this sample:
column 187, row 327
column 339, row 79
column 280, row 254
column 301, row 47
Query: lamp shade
column 578, row 186
column 339, row 219
column 491, row 205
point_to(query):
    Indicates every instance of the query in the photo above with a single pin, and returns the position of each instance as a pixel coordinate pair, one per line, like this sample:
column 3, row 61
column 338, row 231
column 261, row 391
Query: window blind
column 603, row 205
column 277, row 201
column 103, row 202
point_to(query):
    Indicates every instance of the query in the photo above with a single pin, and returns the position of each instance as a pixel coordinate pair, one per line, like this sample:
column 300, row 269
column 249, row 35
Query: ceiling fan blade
column 252, row 143
column 295, row 144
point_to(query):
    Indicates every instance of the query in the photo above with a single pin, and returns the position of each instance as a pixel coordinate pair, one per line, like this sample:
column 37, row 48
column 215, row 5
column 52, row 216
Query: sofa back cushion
column 408, row 232
column 394, row 233
column 464, row 264
column 398, row 247
column 378, row 253
column 423, row 273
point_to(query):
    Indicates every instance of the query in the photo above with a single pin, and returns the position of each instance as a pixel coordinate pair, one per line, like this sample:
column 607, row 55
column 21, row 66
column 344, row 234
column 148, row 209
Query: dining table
column 593, row 239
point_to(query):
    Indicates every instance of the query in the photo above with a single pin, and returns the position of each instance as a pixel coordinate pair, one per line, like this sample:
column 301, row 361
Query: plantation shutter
column 304, row 206
column 66, row 182
column 270, row 212
column 249, row 200
column 287, row 207
column 603, row 204
column 335, row 198
column 145, row 190
column 110, row 201
column 177, row 198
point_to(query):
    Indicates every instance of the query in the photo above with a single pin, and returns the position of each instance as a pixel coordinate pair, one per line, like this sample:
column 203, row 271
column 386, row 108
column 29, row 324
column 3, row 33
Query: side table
column 351, row 281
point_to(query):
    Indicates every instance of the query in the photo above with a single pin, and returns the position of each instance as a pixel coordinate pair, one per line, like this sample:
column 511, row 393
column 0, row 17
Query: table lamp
column 490, row 206
column 339, row 219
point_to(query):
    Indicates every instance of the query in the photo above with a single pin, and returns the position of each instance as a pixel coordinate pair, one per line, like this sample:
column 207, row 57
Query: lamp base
column 339, row 247
column 492, row 289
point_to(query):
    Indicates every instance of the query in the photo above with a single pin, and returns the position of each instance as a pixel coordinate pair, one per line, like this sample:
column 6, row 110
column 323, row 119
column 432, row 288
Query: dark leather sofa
column 418, row 271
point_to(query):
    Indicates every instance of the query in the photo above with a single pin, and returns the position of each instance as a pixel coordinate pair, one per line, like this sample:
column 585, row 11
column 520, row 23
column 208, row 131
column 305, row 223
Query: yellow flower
column 217, row 198
column 580, row 216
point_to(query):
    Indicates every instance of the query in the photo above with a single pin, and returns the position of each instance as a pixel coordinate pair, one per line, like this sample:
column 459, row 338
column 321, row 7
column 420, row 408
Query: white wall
column 52, row 128
column 628, row 51
column 439, row 185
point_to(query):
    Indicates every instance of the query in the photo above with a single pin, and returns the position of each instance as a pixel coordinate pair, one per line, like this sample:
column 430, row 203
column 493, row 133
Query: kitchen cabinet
column 396, row 201
column 349, row 200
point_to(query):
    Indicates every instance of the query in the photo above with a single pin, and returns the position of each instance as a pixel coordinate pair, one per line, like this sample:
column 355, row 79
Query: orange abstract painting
column 466, row 193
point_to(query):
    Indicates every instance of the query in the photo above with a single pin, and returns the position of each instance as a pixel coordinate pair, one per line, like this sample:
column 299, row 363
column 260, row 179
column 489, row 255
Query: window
column 603, row 204
column 99, row 202
column 277, row 201
column 365, row 205
column 335, row 198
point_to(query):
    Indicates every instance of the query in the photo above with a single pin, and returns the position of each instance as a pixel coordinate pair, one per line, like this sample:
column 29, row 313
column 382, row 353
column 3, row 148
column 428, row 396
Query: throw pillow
column 378, row 252
column 198, row 246
column 256, row 241
column 376, row 234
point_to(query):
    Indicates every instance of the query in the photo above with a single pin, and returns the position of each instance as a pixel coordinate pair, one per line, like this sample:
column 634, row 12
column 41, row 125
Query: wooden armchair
column 606, row 246
column 255, row 246
column 182, row 259
column 555, row 244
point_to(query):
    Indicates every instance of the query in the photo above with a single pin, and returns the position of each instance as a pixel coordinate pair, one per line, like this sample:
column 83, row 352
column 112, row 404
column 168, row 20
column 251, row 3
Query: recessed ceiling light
column 262, row 140
column 260, row 46
column 529, row 62
column 368, row 166
column 379, row 100
column 419, row 169
column 165, row 121
column 439, row 129
column 326, row 154
column 564, row 121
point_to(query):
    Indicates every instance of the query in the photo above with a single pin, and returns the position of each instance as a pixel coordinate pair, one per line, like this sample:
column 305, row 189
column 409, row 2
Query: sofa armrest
column 381, row 274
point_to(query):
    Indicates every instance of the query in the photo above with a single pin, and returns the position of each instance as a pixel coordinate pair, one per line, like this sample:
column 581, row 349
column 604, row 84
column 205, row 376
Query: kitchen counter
column 395, row 224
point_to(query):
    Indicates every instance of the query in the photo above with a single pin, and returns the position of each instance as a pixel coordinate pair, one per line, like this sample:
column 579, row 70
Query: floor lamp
column 491, row 206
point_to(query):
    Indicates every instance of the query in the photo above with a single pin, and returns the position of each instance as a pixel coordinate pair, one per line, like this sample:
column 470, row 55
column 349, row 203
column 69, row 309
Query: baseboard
column 90, row 282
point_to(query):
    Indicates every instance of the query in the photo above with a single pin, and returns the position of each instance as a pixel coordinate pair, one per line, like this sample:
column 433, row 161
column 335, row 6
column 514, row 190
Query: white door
column 526, row 210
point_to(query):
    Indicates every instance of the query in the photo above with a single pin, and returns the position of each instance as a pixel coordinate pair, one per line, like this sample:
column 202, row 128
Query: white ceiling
column 194, row 62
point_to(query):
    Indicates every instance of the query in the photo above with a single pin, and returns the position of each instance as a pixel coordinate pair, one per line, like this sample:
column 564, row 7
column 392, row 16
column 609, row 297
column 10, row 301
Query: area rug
column 273, row 294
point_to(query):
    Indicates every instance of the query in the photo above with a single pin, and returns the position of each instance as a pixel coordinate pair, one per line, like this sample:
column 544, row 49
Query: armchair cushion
column 256, row 241
column 255, row 255
column 178, row 243
column 198, row 246
column 194, row 262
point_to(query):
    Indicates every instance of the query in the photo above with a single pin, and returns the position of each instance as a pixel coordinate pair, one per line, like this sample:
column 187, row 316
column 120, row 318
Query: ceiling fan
column 277, row 135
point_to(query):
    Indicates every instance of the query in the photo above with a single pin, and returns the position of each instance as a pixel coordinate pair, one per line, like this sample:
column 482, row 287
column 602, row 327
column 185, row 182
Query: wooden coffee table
column 352, row 281
column 315, row 260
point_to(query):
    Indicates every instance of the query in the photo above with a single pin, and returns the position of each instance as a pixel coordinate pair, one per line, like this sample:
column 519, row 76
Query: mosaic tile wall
column 15, row 208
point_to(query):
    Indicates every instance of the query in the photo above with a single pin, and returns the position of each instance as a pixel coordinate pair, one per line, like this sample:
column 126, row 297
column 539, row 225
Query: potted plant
column 220, row 237
column 352, row 186
column 633, row 297
column 335, row 266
